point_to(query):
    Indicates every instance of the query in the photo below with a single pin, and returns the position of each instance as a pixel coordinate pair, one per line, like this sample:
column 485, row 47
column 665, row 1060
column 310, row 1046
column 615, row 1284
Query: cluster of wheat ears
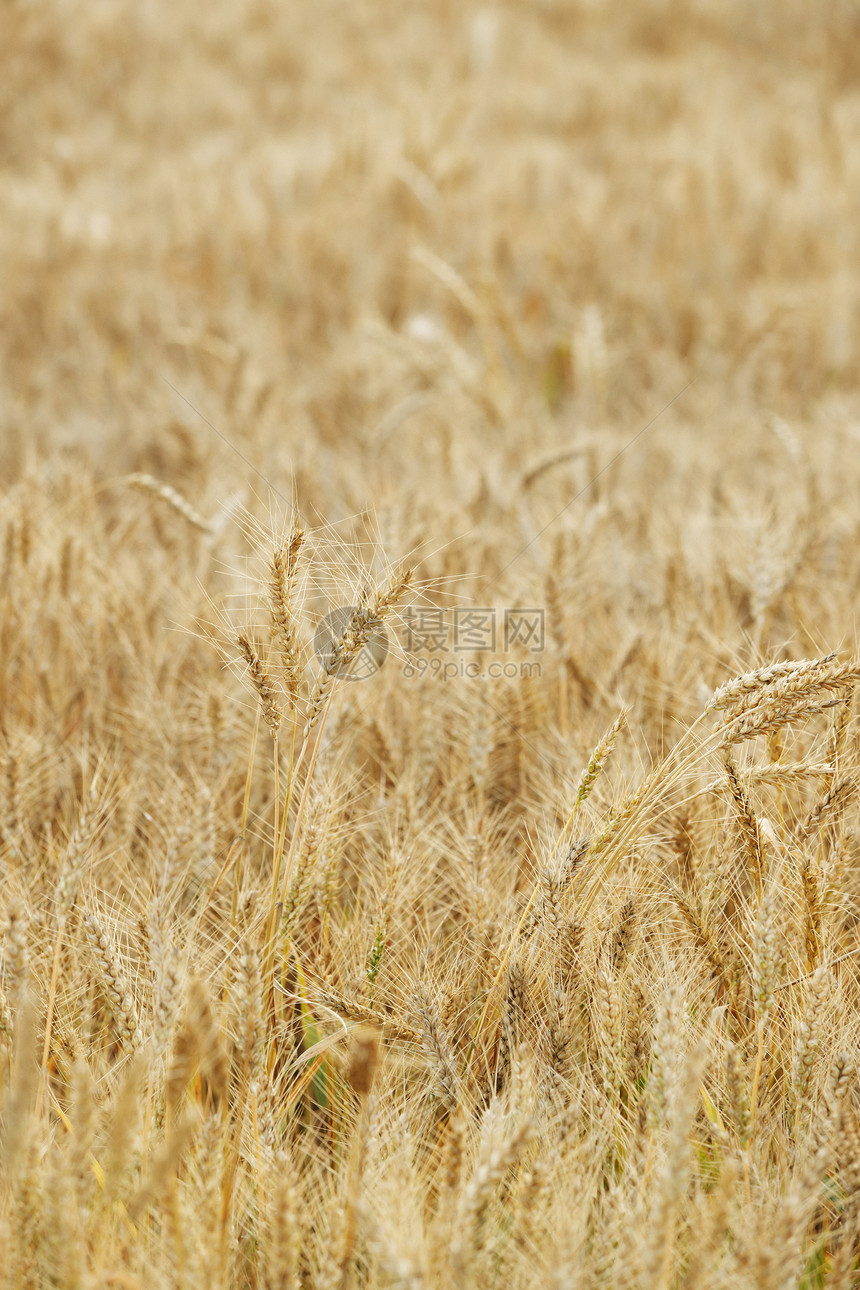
column 302, row 1037
column 547, row 976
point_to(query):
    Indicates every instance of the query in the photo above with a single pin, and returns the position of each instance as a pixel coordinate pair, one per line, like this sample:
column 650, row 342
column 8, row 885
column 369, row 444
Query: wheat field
column 430, row 547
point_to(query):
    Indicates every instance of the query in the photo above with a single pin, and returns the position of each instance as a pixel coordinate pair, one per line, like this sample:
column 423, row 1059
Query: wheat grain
column 285, row 627
column 365, row 619
column 262, row 683
column 438, row 1054
column 113, row 979
column 173, row 498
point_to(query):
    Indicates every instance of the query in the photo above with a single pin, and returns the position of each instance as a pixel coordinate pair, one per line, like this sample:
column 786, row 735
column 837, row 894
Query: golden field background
column 546, row 980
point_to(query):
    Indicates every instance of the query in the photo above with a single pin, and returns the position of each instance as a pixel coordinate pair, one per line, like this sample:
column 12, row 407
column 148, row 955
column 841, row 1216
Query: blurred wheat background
column 548, row 979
